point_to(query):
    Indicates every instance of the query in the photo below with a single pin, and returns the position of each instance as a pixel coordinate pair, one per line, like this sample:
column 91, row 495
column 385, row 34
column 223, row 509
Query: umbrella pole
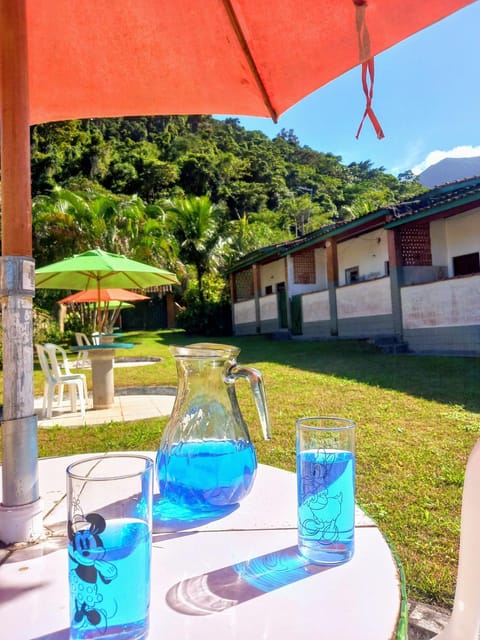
column 115, row 315
column 21, row 509
column 99, row 310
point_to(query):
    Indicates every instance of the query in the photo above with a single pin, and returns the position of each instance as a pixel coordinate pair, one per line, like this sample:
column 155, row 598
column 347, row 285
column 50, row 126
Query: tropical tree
column 196, row 226
column 67, row 222
column 62, row 225
column 252, row 232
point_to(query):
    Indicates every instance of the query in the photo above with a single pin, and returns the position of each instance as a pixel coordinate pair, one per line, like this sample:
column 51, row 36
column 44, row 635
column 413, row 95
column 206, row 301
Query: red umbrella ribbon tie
column 368, row 68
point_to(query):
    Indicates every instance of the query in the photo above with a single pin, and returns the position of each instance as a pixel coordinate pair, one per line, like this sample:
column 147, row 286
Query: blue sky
column 426, row 97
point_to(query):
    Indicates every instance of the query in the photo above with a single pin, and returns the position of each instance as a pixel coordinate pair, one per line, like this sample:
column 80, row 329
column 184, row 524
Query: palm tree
column 67, row 222
column 196, row 225
column 63, row 224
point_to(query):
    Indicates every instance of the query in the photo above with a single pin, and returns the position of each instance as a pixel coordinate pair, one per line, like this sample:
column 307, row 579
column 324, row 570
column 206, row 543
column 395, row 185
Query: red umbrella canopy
column 103, row 295
column 65, row 59
column 91, row 58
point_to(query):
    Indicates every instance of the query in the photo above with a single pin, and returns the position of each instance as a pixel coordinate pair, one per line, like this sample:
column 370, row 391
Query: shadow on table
column 38, row 550
column 61, row 634
column 221, row 589
column 170, row 517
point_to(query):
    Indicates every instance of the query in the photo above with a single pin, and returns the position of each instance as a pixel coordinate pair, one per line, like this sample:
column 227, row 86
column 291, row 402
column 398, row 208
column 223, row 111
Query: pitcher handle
column 258, row 389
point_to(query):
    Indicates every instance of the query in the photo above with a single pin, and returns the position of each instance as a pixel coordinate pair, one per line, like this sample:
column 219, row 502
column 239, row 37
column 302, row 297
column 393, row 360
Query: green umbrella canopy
column 112, row 305
column 96, row 268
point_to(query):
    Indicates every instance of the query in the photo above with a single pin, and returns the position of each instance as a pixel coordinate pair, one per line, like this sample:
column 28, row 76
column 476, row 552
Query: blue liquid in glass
column 206, row 473
column 326, row 505
column 110, row 582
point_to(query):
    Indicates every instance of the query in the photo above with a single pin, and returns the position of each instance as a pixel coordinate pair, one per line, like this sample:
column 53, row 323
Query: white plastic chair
column 61, row 369
column 58, row 374
column 83, row 360
column 464, row 623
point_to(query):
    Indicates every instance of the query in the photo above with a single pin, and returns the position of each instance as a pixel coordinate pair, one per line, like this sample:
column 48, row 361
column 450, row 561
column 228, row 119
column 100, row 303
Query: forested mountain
column 189, row 192
column 159, row 157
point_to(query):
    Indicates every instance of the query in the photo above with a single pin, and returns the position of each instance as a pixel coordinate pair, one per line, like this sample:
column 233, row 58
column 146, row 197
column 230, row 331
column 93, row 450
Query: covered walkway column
column 257, row 291
column 21, row 509
column 332, row 277
column 395, row 269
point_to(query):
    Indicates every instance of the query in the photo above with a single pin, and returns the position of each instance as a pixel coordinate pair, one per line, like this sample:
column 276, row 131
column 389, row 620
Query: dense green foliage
column 189, row 193
column 160, row 157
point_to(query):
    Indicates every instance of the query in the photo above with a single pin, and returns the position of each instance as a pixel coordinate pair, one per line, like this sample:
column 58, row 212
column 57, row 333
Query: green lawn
column 418, row 418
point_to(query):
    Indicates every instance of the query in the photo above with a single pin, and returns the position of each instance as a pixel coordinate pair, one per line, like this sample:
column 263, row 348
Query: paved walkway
column 425, row 621
column 132, row 403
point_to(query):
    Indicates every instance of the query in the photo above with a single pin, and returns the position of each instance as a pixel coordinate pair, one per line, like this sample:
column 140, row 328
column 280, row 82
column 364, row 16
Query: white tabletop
column 235, row 577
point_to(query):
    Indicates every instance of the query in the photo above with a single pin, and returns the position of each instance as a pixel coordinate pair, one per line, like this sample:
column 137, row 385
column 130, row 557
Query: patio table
column 234, row 577
column 102, row 357
column 102, row 338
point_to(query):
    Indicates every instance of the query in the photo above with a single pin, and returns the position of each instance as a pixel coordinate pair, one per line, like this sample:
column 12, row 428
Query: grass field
column 418, row 418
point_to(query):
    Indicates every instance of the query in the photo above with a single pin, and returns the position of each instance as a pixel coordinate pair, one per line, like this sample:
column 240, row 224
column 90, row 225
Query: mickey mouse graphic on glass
column 109, row 546
column 326, row 489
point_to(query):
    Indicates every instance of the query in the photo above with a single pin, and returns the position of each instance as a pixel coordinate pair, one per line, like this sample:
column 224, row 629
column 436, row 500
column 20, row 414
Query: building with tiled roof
column 407, row 276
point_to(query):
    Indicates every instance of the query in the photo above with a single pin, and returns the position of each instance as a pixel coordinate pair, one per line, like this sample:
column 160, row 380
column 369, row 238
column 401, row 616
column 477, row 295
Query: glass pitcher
column 206, row 460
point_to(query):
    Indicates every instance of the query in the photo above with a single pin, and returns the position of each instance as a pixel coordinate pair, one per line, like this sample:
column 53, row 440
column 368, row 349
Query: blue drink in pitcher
column 206, row 462
column 206, row 475
column 326, row 492
column 109, row 573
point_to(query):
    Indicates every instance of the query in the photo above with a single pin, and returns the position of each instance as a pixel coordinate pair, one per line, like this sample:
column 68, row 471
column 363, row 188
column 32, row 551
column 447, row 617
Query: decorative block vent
column 415, row 246
column 244, row 285
column 304, row 267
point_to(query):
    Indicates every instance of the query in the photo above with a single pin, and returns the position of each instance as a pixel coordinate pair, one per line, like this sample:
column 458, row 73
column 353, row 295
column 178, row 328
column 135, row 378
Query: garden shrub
column 206, row 318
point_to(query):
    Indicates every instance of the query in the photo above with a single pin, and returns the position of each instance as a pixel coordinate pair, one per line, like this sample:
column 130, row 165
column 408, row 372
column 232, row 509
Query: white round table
column 238, row 577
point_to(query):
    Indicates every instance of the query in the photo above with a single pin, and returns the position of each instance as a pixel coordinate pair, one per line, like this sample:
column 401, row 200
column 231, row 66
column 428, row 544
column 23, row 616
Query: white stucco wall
column 315, row 307
column 445, row 303
column 271, row 274
column 365, row 252
column 462, row 235
column 371, row 298
column 268, row 307
column 321, row 268
column 438, row 243
column 244, row 312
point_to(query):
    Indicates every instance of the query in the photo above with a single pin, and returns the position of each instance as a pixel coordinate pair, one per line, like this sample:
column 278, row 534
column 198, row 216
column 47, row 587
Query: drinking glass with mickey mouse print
column 326, row 488
column 109, row 525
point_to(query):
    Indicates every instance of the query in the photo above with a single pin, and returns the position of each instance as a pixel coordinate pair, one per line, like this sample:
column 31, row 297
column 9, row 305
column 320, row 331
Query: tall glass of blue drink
column 326, row 489
column 109, row 499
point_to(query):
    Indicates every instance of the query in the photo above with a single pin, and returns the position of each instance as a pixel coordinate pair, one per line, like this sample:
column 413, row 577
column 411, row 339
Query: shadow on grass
column 446, row 379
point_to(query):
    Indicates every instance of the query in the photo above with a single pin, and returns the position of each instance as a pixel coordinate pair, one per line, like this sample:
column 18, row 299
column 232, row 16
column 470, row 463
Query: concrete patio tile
column 125, row 409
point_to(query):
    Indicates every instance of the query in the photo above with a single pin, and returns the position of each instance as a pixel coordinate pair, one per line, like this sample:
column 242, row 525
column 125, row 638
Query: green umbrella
column 113, row 305
column 99, row 269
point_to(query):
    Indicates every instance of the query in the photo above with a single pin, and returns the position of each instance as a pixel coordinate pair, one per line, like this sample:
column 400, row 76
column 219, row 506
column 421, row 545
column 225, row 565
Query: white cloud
column 464, row 151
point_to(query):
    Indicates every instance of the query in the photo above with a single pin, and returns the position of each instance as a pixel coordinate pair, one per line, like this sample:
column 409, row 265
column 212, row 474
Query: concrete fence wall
column 437, row 317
